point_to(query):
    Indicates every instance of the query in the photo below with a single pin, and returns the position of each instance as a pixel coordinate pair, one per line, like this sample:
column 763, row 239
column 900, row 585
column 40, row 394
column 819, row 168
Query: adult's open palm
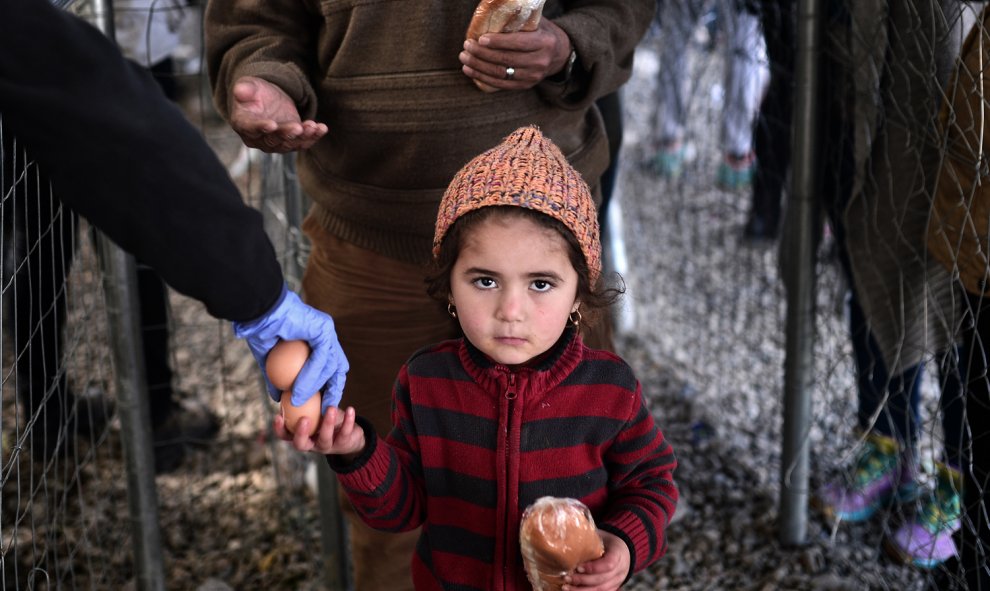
column 266, row 118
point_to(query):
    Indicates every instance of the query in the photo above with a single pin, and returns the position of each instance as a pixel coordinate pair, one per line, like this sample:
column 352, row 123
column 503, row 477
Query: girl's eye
column 485, row 282
column 541, row 285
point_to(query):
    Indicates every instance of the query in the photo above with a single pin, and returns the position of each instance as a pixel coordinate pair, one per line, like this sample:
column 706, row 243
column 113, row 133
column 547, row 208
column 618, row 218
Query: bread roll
column 503, row 16
column 556, row 535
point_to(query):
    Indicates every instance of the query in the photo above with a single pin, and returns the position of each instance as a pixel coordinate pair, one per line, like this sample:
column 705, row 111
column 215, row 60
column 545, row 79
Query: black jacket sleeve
column 123, row 156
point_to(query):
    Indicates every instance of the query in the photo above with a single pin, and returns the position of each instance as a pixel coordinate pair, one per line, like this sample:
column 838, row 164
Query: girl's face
column 514, row 287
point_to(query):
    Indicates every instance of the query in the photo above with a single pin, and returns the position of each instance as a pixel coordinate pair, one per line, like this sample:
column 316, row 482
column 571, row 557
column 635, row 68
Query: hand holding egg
column 282, row 365
column 290, row 320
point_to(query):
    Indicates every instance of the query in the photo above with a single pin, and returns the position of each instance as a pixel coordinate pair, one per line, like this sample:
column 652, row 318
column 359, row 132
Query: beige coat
column 900, row 56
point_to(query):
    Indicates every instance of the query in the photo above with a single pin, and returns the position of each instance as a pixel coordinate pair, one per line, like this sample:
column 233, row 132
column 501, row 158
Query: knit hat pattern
column 525, row 170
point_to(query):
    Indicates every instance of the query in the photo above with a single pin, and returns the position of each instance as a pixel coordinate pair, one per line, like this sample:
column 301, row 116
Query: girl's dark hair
column 594, row 298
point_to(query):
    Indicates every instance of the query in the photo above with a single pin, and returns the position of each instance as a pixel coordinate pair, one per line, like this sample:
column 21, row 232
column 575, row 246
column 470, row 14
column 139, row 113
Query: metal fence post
column 799, row 274
column 123, row 320
column 333, row 533
column 120, row 286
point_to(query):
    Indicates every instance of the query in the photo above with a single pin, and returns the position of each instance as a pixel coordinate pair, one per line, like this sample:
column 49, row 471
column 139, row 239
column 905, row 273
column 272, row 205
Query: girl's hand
column 338, row 433
column 604, row 574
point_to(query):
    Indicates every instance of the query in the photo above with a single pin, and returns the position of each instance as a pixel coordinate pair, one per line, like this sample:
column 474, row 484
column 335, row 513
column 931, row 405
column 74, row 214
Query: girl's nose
column 510, row 307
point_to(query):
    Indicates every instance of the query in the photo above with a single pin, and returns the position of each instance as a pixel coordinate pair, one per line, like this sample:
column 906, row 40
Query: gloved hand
column 291, row 319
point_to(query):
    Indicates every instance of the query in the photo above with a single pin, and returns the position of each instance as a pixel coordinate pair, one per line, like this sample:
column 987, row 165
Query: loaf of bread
column 503, row 16
column 555, row 536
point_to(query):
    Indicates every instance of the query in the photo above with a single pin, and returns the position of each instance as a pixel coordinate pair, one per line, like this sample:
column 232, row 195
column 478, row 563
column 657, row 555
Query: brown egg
column 310, row 408
column 284, row 362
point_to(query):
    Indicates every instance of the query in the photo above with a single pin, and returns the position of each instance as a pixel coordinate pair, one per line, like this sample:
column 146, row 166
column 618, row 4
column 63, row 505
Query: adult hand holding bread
column 508, row 46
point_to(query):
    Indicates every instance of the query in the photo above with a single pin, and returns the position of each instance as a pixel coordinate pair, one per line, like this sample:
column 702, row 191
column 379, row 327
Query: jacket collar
column 545, row 371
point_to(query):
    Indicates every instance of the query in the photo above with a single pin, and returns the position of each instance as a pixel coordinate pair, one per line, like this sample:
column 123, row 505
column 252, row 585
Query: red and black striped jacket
column 474, row 443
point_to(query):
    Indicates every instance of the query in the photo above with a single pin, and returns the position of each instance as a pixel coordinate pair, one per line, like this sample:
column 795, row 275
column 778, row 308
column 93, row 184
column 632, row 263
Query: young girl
column 519, row 408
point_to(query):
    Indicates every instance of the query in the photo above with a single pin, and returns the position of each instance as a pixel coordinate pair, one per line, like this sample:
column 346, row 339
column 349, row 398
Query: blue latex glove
column 291, row 319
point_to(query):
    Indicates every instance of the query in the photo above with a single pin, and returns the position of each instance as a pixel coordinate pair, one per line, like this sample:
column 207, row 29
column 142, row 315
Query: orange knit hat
column 525, row 170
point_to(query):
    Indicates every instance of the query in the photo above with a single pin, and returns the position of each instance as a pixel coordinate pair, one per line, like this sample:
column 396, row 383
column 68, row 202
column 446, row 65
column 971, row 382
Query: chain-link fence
column 710, row 322
column 853, row 131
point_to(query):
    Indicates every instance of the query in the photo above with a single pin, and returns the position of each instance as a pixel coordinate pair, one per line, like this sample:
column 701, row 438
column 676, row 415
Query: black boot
column 761, row 226
column 182, row 425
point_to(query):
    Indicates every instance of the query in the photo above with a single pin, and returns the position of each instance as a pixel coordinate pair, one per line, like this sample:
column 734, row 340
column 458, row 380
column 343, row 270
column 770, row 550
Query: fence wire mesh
column 887, row 402
column 703, row 322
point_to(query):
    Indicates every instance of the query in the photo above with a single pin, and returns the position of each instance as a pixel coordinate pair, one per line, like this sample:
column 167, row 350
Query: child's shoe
column 669, row 161
column 926, row 540
column 736, row 172
column 879, row 475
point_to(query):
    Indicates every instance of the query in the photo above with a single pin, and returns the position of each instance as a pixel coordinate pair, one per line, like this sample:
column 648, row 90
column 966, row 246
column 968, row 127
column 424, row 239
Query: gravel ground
column 702, row 324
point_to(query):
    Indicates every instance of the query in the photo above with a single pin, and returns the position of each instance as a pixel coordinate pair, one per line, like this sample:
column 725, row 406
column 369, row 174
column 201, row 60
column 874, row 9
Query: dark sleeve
column 604, row 34
column 123, row 156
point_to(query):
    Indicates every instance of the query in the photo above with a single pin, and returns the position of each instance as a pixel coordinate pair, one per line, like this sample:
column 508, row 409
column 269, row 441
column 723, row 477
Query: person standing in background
column 379, row 102
column 745, row 75
column 149, row 32
column 773, row 123
column 957, row 236
column 886, row 94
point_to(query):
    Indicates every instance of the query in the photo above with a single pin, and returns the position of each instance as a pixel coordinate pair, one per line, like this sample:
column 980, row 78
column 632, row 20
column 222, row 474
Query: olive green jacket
column 959, row 230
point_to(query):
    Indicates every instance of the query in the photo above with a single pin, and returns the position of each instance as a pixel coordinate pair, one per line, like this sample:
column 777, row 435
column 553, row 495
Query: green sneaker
column 878, row 476
column 736, row 172
column 926, row 540
column 669, row 162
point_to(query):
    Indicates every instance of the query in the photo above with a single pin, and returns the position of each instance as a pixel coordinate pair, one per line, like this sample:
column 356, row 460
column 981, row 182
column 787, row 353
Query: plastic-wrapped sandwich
column 556, row 535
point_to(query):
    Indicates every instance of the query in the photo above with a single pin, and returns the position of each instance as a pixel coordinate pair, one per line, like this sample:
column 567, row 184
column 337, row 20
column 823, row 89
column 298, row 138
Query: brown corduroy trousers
column 382, row 315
